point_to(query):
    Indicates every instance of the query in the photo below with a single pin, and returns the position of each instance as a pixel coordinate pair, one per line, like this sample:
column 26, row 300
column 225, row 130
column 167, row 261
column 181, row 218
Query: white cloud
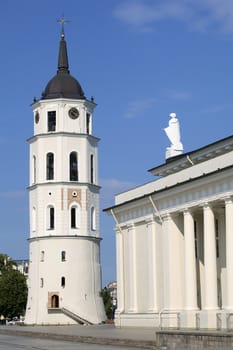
column 115, row 185
column 111, row 187
column 138, row 107
column 177, row 95
column 16, row 194
column 216, row 109
column 199, row 15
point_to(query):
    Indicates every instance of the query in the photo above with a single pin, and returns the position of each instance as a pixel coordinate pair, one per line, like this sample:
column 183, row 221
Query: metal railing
column 229, row 322
column 198, row 324
column 168, row 315
column 219, row 321
column 75, row 316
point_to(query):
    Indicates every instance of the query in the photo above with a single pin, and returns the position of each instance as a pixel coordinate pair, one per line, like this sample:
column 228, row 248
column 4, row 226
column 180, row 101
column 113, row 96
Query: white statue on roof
column 173, row 133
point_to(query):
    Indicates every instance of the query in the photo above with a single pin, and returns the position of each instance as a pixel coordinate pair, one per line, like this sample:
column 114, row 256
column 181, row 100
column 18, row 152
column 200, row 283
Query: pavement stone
column 105, row 334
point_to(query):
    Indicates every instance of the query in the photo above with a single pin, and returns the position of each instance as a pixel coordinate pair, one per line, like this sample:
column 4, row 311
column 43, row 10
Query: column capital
column 187, row 211
column 118, row 230
column 150, row 220
column 166, row 217
column 130, row 226
column 206, row 205
column 228, row 199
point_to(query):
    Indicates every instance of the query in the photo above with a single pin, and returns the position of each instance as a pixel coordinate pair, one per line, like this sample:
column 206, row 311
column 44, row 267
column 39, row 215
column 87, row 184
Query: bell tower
column 64, row 244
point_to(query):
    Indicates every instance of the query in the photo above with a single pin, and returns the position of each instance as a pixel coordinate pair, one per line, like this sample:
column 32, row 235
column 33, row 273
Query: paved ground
column 11, row 342
column 99, row 334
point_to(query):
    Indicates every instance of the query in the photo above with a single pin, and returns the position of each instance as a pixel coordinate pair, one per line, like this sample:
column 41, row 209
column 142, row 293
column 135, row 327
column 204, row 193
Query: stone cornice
column 64, row 183
column 168, row 188
column 88, row 238
column 62, row 133
column 189, row 159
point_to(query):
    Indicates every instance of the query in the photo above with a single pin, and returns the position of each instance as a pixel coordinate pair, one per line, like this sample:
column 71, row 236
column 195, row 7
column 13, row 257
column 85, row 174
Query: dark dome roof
column 63, row 84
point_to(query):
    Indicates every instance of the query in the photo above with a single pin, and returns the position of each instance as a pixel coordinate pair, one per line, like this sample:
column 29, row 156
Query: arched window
column 63, row 281
column 50, row 166
column 34, row 170
column 50, row 218
column 93, row 219
column 33, row 219
column 63, row 255
column 92, row 168
column 74, row 216
column 73, row 166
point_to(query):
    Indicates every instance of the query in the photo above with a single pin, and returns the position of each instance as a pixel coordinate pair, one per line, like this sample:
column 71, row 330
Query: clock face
column 73, row 113
column 37, row 117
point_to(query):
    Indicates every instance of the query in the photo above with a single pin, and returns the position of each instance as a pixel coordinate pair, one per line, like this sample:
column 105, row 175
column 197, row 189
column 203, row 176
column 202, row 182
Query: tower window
column 51, row 212
column 41, row 283
column 33, row 219
column 73, row 217
column 34, row 170
column 50, row 218
column 88, row 123
column 63, row 282
column 73, row 166
column 93, row 219
column 50, row 166
column 42, row 255
column 63, row 255
column 92, row 168
column 52, row 121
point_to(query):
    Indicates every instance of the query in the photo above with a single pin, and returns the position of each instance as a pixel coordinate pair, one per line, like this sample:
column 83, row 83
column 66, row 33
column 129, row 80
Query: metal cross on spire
column 62, row 21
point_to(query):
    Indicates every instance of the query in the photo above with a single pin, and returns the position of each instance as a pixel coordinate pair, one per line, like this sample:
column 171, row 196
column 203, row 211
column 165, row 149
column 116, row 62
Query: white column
column 133, row 272
column 152, row 281
column 120, row 271
column 190, row 262
column 166, row 261
column 210, row 260
column 173, row 263
column 229, row 251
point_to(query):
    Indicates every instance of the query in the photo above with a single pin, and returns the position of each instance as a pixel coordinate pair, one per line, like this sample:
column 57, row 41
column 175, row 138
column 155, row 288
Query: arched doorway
column 54, row 301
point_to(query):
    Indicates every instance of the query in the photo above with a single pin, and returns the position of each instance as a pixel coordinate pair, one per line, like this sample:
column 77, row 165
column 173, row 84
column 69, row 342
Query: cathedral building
column 64, row 258
column 174, row 241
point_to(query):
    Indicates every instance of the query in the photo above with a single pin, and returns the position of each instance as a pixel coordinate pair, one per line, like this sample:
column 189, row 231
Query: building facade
column 174, row 239
column 22, row 266
column 64, row 269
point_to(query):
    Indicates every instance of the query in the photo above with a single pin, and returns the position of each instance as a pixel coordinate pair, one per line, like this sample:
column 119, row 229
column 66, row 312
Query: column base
column 131, row 310
column 210, row 319
column 188, row 318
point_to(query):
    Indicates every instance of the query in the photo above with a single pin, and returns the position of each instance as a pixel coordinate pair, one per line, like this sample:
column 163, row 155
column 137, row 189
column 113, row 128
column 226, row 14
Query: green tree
column 13, row 291
column 107, row 302
column 6, row 263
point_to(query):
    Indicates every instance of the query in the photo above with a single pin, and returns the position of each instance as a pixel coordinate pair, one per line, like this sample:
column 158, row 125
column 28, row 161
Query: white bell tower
column 64, row 270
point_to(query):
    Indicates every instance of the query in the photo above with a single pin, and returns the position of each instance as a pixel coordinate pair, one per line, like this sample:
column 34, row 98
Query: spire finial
column 63, row 65
column 62, row 21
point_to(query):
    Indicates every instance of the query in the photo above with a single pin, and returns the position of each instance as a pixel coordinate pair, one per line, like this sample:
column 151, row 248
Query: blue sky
column 141, row 60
